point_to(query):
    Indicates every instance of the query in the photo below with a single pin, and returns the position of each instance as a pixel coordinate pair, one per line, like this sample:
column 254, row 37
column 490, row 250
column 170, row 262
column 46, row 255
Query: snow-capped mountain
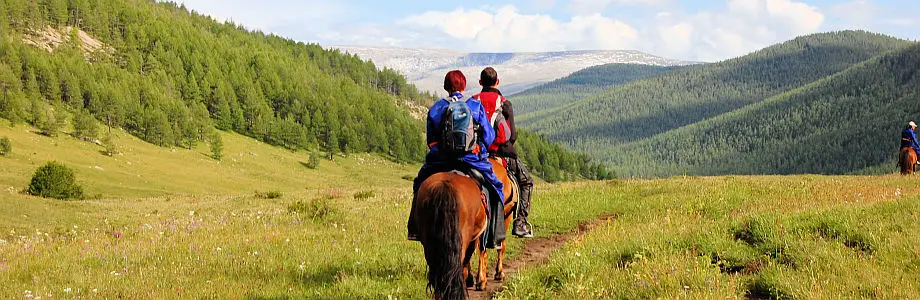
column 518, row 71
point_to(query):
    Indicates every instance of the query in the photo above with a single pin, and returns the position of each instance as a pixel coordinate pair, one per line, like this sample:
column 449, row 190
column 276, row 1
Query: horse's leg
column 483, row 262
column 500, row 265
column 467, row 264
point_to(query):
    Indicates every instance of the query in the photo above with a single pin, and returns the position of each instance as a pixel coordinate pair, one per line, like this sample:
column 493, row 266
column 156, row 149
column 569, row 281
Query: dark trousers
column 525, row 182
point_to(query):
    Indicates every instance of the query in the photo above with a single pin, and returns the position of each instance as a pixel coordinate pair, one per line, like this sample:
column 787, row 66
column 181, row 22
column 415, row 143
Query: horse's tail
column 445, row 272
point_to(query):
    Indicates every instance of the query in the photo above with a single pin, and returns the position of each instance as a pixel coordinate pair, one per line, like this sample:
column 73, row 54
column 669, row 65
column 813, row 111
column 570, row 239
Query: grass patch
column 365, row 194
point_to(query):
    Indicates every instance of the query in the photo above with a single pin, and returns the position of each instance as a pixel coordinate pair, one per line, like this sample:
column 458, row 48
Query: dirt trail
column 536, row 251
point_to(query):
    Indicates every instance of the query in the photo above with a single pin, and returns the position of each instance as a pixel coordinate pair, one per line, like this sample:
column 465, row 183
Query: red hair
column 454, row 81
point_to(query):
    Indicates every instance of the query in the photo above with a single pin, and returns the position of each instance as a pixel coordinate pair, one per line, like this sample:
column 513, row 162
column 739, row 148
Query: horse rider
column 909, row 137
column 437, row 161
column 492, row 99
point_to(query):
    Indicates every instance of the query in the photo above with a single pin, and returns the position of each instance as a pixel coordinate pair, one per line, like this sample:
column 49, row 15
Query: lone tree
column 5, row 146
column 55, row 180
column 217, row 146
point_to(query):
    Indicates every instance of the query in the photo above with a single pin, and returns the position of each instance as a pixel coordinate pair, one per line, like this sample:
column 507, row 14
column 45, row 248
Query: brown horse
column 451, row 217
column 907, row 160
column 510, row 191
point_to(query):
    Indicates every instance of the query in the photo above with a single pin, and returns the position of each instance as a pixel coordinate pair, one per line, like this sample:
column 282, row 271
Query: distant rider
column 436, row 161
column 492, row 99
column 909, row 138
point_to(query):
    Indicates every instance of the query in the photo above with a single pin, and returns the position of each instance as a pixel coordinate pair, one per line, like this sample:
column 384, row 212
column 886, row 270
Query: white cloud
column 508, row 30
column 743, row 26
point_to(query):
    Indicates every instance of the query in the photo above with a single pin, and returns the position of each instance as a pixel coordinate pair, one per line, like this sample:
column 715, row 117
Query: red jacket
column 487, row 97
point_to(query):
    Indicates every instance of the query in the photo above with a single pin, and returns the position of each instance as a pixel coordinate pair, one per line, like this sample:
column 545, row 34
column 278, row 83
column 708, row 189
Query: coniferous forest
column 830, row 103
column 171, row 77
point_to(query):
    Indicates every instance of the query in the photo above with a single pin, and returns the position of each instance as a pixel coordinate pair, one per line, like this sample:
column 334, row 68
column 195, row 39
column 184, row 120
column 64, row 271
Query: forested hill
column 171, row 76
column 579, row 85
column 678, row 122
column 168, row 75
column 644, row 108
column 845, row 123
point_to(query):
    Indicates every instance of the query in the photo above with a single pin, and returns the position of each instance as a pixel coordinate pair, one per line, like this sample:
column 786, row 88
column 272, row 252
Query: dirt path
column 536, row 251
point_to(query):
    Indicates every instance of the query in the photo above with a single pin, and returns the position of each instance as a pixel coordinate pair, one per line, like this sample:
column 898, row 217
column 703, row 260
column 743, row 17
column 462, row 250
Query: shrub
column 5, row 146
column 365, row 194
column 55, row 180
column 217, row 146
column 313, row 160
column 319, row 209
column 269, row 195
column 84, row 125
column 111, row 148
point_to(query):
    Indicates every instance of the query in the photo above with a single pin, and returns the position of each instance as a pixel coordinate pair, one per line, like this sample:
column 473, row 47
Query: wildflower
column 218, row 249
column 302, row 266
column 95, row 291
column 191, row 213
column 117, row 234
column 67, row 290
column 577, row 254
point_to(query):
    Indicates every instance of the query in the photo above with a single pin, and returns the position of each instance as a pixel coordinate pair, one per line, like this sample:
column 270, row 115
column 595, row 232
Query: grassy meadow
column 778, row 237
column 164, row 223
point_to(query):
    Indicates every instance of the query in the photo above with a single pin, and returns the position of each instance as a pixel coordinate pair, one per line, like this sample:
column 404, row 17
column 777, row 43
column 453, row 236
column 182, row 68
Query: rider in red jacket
column 492, row 99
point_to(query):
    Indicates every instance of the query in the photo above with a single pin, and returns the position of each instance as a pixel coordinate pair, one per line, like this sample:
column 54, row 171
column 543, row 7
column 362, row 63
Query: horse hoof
column 470, row 282
column 480, row 288
column 499, row 277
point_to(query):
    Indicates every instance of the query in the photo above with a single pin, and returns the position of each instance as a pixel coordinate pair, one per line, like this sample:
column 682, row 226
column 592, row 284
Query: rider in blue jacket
column 435, row 161
column 909, row 137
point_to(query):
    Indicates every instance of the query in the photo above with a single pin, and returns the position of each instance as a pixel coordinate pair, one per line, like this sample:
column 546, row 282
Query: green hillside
column 644, row 108
column 579, row 85
column 677, row 123
column 169, row 77
column 844, row 123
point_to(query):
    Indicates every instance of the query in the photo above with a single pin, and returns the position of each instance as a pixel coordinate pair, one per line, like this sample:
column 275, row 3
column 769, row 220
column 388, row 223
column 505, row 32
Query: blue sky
column 706, row 30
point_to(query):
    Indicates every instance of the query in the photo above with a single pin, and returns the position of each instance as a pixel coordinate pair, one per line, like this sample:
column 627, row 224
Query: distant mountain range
column 518, row 71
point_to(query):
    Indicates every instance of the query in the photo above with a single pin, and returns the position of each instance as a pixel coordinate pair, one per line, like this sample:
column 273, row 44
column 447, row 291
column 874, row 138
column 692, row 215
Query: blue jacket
column 486, row 133
column 909, row 138
column 479, row 161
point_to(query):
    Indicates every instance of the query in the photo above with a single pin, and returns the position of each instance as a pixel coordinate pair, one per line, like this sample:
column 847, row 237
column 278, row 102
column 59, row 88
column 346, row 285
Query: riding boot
column 522, row 228
column 496, row 222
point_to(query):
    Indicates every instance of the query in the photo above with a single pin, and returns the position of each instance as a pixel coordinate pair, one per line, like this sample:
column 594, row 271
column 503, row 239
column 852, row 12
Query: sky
column 704, row 30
